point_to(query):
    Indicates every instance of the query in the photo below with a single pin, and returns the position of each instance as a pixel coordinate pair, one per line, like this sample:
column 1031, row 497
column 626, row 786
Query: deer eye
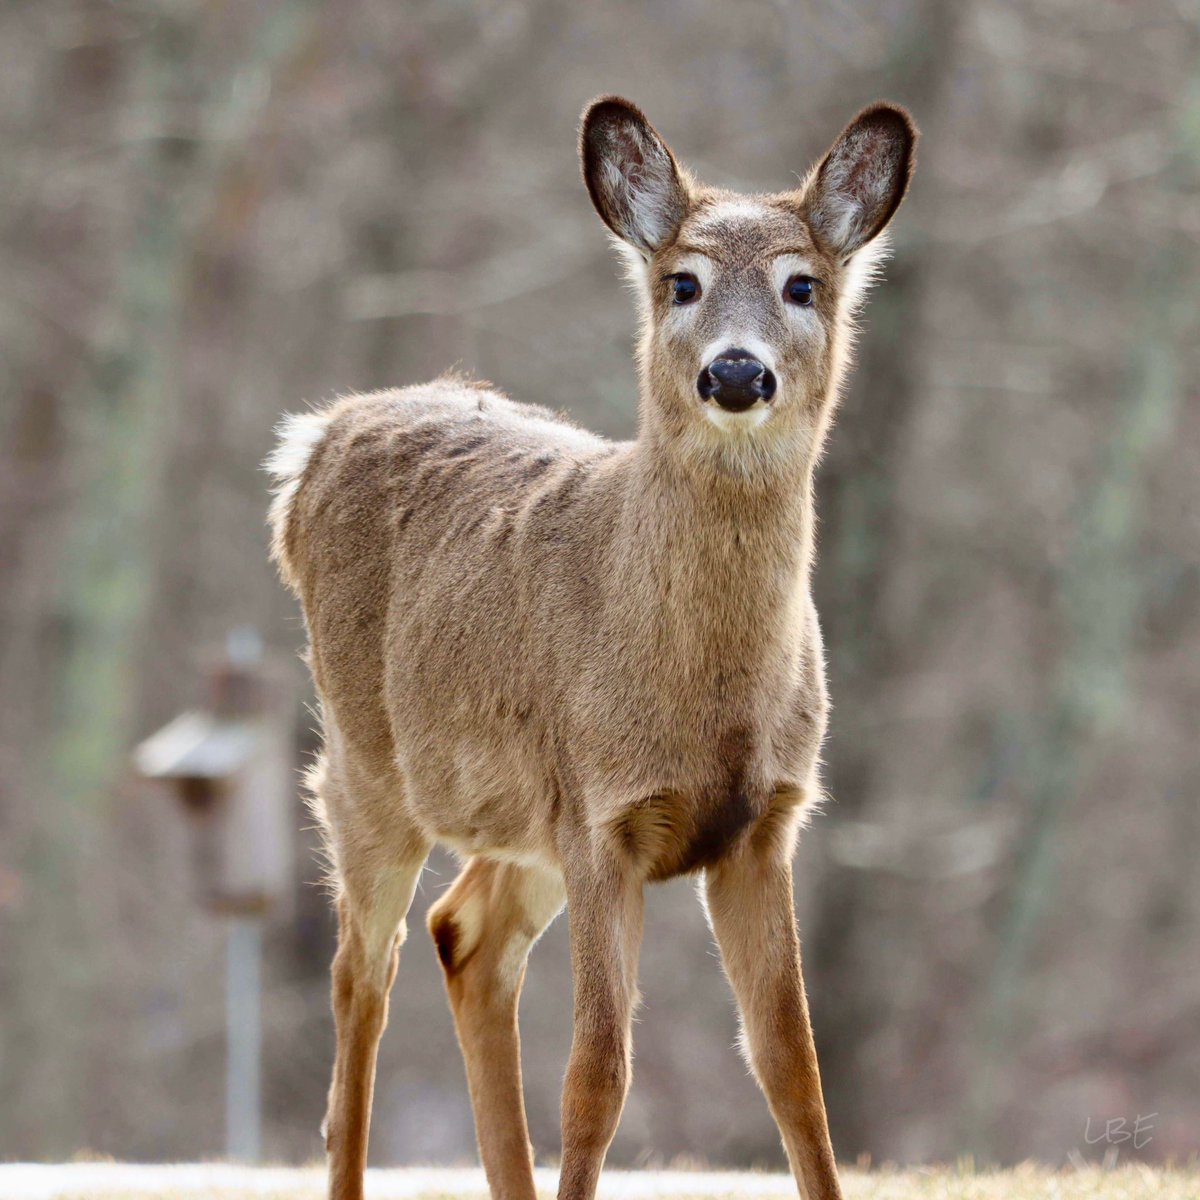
column 687, row 288
column 799, row 290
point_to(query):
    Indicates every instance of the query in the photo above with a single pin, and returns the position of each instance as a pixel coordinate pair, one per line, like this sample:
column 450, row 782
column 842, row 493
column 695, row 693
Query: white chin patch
column 737, row 422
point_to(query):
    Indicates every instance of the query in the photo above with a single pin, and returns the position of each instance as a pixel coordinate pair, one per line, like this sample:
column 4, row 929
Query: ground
column 115, row 1181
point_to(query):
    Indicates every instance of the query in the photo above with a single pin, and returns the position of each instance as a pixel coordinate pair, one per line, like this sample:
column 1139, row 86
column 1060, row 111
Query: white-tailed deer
column 585, row 665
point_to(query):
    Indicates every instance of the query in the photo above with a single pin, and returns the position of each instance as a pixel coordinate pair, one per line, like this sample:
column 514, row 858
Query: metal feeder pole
column 243, row 1032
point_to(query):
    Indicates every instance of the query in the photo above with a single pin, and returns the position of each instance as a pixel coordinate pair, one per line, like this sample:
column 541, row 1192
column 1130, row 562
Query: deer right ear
column 631, row 174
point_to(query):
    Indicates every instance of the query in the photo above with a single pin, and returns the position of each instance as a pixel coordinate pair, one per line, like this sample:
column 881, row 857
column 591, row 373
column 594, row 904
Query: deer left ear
column 856, row 188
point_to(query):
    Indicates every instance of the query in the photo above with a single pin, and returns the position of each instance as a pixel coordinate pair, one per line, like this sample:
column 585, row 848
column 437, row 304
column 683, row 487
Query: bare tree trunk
column 859, row 544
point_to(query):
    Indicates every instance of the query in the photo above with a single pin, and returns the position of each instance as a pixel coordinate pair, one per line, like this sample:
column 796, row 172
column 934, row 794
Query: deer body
column 563, row 635
column 583, row 665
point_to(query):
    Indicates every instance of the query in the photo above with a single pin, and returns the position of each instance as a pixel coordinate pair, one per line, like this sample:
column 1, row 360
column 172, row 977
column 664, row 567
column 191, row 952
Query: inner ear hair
column 854, row 192
column 634, row 181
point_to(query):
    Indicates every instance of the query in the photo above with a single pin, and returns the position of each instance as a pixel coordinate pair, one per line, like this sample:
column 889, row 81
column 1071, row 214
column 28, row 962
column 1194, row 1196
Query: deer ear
column 856, row 188
column 631, row 174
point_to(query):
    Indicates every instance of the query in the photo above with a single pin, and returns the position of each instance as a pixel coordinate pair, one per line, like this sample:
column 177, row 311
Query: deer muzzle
column 736, row 381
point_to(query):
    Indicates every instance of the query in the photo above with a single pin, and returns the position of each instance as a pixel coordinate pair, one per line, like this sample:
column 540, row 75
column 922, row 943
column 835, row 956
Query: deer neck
column 727, row 551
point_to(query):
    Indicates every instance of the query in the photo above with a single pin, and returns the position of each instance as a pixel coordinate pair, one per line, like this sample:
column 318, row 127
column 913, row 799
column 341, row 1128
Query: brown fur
column 586, row 665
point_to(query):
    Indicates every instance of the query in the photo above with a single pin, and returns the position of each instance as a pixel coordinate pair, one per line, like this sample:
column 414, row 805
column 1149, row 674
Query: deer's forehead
column 745, row 230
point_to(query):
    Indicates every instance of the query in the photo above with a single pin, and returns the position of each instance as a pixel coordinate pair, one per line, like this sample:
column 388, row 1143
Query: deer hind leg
column 371, row 929
column 484, row 927
column 750, row 907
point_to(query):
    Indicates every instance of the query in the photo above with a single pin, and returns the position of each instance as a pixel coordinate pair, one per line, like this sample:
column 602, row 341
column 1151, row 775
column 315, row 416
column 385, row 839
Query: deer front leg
column 750, row 906
column 604, row 904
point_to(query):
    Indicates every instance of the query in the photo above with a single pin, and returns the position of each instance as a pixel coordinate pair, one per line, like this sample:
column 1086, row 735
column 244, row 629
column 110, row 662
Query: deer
column 585, row 666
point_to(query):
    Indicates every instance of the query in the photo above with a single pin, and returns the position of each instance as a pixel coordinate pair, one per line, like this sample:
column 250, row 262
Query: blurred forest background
column 215, row 212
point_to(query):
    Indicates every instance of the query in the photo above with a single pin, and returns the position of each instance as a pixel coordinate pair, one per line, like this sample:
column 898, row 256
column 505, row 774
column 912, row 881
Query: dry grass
column 112, row 1181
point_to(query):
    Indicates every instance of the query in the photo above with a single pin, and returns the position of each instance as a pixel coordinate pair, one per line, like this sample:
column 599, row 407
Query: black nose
column 736, row 380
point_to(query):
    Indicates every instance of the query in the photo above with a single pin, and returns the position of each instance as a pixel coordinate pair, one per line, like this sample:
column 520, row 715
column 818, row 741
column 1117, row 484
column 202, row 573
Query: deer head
column 747, row 300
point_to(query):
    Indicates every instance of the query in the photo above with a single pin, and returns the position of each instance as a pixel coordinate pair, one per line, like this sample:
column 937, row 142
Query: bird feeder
column 229, row 765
